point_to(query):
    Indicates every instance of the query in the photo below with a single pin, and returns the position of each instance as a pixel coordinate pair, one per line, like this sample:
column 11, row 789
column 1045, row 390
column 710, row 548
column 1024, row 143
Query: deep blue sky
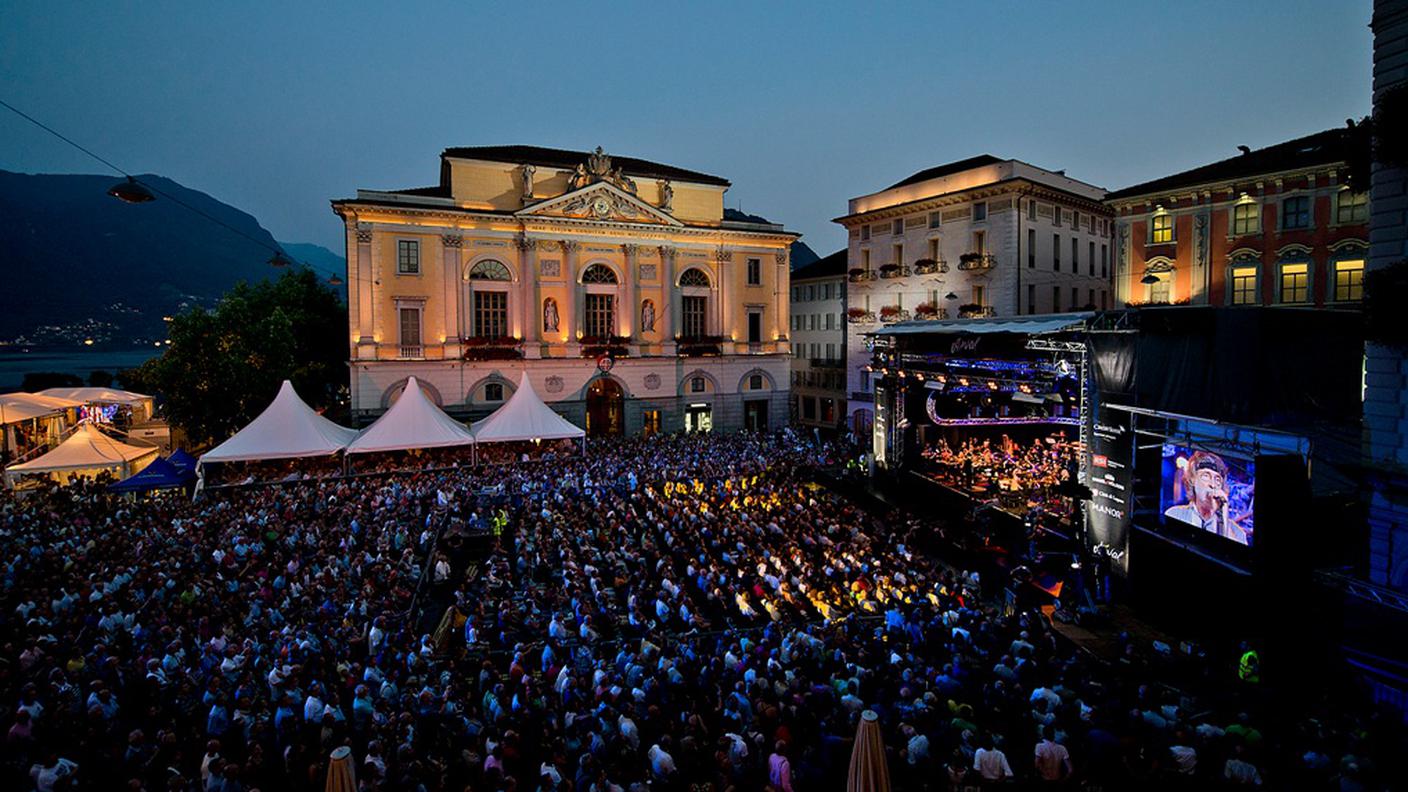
column 278, row 107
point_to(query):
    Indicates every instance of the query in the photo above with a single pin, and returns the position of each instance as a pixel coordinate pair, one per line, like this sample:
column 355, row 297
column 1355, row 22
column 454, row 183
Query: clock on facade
column 601, row 207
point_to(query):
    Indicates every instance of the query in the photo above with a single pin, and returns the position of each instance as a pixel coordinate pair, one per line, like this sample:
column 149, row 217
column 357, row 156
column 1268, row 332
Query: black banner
column 1110, row 479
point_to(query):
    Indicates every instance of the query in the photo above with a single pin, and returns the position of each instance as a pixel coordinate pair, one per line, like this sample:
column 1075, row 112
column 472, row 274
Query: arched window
column 490, row 270
column 694, row 277
column 599, row 273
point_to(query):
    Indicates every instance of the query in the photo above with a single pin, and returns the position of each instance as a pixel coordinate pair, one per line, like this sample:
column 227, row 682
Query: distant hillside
column 83, row 264
column 326, row 262
column 802, row 255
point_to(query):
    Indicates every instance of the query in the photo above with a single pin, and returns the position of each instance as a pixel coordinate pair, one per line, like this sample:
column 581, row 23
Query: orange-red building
column 1274, row 226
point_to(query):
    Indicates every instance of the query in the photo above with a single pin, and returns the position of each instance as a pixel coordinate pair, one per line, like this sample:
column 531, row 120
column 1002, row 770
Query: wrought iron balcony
column 860, row 316
column 930, row 266
column 698, row 346
column 890, row 271
column 859, row 275
column 976, row 312
column 492, row 348
column 977, row 262
column 893, row 314
column 931, row 314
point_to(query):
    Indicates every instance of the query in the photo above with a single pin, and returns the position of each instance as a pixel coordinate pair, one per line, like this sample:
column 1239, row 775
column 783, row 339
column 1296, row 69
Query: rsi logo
column 1100, row 460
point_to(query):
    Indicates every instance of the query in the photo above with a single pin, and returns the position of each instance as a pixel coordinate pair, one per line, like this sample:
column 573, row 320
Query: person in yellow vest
column 1249, row 667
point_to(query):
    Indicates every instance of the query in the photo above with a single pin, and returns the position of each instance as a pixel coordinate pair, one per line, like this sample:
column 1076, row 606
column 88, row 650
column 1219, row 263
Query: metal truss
column 1362, row 589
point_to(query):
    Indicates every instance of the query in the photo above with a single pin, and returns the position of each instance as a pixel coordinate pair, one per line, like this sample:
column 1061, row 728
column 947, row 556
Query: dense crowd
column 672, row 613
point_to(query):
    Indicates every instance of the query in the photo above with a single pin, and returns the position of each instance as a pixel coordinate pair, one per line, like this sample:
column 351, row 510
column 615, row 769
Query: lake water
column 15, row 364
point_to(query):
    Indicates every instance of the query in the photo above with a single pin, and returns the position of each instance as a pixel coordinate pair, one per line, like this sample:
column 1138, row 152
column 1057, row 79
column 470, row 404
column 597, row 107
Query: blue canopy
column 160, row 474
column 183, row 461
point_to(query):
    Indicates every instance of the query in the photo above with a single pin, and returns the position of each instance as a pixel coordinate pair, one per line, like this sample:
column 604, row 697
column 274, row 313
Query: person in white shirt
column 662, row 764
column 991, row 763
column 1053, row 761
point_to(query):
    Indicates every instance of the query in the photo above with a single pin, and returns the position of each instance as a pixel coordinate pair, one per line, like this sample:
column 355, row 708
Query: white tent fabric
column 16, row 407
column 287, row 428
column 525, row 417
column 97, row 395
column 413, row 421
column 87, row 450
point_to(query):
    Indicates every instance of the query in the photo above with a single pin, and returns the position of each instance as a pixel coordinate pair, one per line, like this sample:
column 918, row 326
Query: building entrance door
column 755, row 415
column 698, row 418
column 606, row 408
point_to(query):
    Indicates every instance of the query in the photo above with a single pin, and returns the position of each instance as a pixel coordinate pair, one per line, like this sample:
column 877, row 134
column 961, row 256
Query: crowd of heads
column 673, row 612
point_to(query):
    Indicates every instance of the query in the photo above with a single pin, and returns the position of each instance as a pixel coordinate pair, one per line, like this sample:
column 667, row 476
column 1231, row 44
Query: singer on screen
column 1205, row 487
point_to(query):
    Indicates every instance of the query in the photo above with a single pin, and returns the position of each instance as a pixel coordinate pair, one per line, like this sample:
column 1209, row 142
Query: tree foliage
column 225, row 365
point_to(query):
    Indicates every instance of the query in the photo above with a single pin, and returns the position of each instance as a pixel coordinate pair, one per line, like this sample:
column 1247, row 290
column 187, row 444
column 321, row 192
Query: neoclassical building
column 620, row 285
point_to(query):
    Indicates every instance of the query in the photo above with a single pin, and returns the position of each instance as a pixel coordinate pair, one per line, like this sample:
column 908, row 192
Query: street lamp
column 131, row 191
column 1149, row 279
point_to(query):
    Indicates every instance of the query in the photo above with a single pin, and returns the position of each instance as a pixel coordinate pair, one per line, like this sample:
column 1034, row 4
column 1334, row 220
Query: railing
column 860, row 276
column 604, row 346
column 492, row 348
column 977, row 262
column 697, row 346
column 868, row 317
column 930, row 266
column 900, row 315
column 893, row 271
column 411, row 351
column 937, row 313
column 981, row 312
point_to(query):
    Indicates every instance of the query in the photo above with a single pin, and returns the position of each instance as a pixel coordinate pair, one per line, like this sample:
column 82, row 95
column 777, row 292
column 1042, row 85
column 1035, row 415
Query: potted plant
column 889, row 313
column 926, row 310
column 857, row 314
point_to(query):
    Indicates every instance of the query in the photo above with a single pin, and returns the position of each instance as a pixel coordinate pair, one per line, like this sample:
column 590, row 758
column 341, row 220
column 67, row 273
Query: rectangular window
column 1075, row 255
column 1055, row 252
column 1295, row 283
column 1090, row 303
column 826, row 290
column 978, row 295
column 865, row 233
column 933, row 219
column 1031, row 298
column 980, row 241
column 830, row 351
column 796, row 294
column 1104, row 260
column 830, row 321
column 898, row 252
column 1090, row 260
column 1031, row 210
column 601, row 315
column 811, row 293
column 1352, row 207
column 865, row 260
column 755, row 327
column 1104, row 300
column 1075, row 298
column 1295, row 212
column 811, row 321
column 407, row 257
column 1161, row 229
column 808, row 407
column 1056, row 299
column 1161, row 291
column 755, row 272
column 934, row 249
column 1031, row 247
column 410, row 331
column 490, row 314
column 897, row 227
column 650, row 422
column 1246, row 219
column 1056, row 216
column 1075, row 220
column 980, row 211
column 1349, row 281
column 1244, row 286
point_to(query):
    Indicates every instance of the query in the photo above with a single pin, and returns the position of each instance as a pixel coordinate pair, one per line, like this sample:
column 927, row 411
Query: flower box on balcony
column 599, row 346
column 893, row 313
column 925, row 311
column 696, row 346
column 975, row 311
column 860, row 316
column 976, row 261
column 492, row 348
column 859, row 275
column 893, row 271
column 930, row 266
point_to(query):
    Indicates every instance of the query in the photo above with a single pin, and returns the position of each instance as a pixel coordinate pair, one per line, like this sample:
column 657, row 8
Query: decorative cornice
column 452, row 240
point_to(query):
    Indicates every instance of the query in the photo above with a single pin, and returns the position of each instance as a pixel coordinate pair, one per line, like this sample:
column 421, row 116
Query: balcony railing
column 861, row 317
column 930, row 266
column 605, row 346
column 893, row 271
column 411, row 351
column 492, row 348
column 976, row 312
column 937, row 313
column 698, row 346
column 861, row 276
column 894, row 315
column 976, row 262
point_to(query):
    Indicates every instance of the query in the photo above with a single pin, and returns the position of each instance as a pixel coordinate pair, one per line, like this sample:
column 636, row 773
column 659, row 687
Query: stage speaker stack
column 1286, row 545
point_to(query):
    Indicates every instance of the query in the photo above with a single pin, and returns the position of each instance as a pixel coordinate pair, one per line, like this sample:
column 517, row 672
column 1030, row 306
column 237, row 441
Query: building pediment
column 600, row 201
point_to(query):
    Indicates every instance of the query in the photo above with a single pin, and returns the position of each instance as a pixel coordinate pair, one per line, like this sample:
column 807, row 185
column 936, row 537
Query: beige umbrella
column 342, row 774
column 869, row 772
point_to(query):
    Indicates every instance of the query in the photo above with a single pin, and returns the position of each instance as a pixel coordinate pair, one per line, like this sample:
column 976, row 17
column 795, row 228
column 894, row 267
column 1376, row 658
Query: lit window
column 980, row 210
column 1162, row 290
column 1349, row 281
column 599, row 273
column 1295, row 283
column 1352, row 207
column 1295, row 212
column 1246, row 218
column 601, row 315
column 1161, row 229
column 407, row 257
column 1244, row 286
column 490, row 314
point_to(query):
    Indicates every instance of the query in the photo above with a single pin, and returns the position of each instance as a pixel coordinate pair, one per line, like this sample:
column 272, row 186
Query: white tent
column 525, row 417
column 16, row 407
column 287, row 428
column 97, row 395
column 413, row 421
column 87, row 452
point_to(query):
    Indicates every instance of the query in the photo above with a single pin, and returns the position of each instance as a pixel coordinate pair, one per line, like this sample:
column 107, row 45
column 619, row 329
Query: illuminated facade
column 818, row 335
column 1272, row 226
column 618, row 284
column 975, row 238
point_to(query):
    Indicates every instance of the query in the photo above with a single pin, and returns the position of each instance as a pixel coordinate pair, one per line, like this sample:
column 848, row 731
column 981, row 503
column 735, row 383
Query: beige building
column 620, row 285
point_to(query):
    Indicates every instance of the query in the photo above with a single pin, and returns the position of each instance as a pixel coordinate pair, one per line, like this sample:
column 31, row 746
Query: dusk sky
column 278, row 107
